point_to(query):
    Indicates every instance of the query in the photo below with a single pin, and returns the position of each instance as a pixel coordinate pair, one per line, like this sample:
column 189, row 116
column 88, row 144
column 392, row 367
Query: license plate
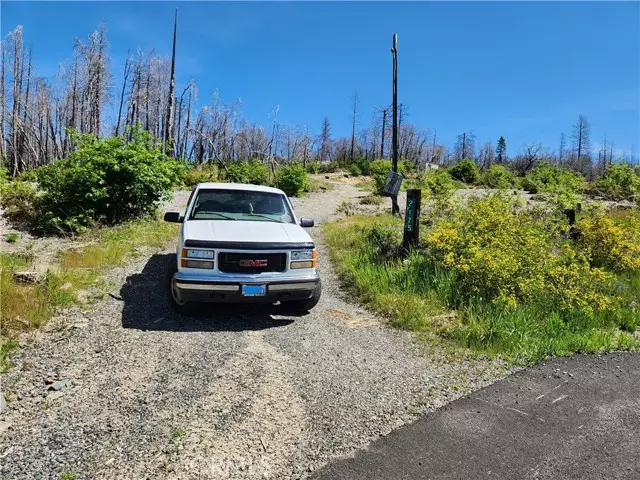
column 254, row 290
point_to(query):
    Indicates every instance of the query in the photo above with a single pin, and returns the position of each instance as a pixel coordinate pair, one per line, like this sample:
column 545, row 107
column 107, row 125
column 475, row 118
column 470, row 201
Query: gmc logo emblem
column 253, row 263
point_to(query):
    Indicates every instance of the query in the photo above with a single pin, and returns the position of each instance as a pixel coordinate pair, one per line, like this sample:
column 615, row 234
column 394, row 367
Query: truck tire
column 303, row 306
column 177, row 304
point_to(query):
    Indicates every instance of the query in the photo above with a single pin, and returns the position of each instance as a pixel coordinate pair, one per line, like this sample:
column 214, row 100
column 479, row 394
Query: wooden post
column 412, row 219
column 395, row 209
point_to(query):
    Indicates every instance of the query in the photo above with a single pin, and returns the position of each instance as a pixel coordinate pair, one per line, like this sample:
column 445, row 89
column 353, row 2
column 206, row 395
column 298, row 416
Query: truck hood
column 239, row 231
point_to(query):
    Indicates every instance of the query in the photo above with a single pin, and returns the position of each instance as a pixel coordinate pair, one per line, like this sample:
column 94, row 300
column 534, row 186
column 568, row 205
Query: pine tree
column 501, row 150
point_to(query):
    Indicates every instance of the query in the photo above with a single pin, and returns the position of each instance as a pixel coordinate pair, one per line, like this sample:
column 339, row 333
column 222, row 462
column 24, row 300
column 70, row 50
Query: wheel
column 178, row 304
column 303, row 306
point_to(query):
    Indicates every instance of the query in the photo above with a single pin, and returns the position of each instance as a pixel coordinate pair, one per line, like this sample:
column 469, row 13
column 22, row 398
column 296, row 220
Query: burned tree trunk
column 168, row 123
column 127, row 70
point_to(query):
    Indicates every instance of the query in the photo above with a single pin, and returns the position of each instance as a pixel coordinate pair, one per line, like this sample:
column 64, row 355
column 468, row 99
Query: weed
column 316, row 185
column 7, row 345
column 12, row 237
column 371, row 200
column 347, row 208
column 68, row 475
column 365, row 185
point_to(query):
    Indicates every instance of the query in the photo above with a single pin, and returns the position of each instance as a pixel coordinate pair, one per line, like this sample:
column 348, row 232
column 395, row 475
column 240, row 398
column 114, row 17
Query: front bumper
column 229, row 289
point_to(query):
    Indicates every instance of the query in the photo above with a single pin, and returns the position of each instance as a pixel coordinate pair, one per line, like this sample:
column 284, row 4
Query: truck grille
column 231, row 262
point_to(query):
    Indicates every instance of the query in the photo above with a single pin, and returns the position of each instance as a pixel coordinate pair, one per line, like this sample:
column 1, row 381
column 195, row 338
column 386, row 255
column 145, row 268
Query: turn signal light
column 303, row 264
column 197, row 264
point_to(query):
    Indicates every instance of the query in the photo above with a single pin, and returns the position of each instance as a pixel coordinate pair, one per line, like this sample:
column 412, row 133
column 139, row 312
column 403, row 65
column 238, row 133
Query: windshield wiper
column 263, row 216
column 226, row 217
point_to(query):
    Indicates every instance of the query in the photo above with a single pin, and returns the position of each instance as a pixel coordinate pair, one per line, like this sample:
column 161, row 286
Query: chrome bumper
column 228, row 288
column 232, row 283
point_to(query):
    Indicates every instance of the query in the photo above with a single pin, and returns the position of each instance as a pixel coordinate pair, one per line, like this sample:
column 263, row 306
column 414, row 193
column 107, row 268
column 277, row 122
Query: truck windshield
column 219, row 204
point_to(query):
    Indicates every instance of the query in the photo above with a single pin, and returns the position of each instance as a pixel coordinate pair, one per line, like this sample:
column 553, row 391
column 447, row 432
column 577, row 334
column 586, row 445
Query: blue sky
column 521, row 70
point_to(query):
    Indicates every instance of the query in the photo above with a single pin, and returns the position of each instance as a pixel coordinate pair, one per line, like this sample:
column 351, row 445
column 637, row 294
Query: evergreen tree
column 501, row 150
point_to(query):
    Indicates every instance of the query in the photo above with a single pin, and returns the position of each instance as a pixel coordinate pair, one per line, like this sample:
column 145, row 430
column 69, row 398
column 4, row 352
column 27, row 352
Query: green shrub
column 438, row 184
column 29, row 175
column 466, row 171
column 379, row 170
column 619, row 182
column 549, row 178
column 20, row 202
column 371, row 200
column 4, row 177
column 406, row 167
column 364, row 165
column 383, row 240
column 314, row 167
column 498, row 176
column 292, row 180
column 329, row 167
column 610, row 243
column 254, row 172
column 354, row 170
column 200, row 174
column 380, row 167
column 105, row 181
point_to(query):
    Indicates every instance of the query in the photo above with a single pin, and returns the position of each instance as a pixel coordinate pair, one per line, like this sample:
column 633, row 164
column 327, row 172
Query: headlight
column 202, row 254
column 302, row 255
column 303, row 259
column 192, row 258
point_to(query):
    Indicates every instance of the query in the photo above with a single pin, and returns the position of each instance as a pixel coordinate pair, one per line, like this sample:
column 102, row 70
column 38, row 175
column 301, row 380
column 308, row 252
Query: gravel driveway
column 231, row 393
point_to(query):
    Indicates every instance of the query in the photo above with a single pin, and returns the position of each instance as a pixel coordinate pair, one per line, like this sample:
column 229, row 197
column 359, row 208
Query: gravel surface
column 232, row 393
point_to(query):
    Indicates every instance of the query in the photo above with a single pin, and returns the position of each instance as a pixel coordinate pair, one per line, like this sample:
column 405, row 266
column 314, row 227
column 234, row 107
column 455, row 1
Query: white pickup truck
column 242, row 243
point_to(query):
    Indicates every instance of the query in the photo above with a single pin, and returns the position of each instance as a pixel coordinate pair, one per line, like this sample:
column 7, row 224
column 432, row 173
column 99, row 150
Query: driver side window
column 189, row 201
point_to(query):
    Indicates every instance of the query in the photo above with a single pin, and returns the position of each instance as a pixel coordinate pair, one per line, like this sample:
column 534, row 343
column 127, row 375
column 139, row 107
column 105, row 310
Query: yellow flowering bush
column 510, row 255
column 610, row 243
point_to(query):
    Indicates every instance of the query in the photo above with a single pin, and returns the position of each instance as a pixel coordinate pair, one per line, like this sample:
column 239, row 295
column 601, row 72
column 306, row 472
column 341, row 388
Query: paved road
column 573, row 418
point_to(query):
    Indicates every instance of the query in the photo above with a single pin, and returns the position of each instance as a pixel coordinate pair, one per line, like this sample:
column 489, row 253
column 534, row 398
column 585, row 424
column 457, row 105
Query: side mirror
column 307, row 222
column 173, row 217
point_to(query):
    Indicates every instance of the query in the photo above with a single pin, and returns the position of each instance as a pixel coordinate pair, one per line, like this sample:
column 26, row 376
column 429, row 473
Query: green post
column 412, row 219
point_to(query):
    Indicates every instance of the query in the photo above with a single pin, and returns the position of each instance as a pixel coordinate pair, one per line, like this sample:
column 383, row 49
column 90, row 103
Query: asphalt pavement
column 569, row 418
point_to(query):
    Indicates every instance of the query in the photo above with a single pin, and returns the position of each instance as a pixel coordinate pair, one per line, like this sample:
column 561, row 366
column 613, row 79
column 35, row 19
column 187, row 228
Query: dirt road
column 232, row 393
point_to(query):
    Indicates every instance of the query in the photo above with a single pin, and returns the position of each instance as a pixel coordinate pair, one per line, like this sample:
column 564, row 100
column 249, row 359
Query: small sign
column 412, row 219
column 392, row 185
column 410, row 214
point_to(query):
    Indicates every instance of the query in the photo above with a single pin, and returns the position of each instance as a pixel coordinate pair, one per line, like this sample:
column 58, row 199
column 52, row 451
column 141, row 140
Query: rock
column 59, row 385
column 54, row 396
column 4, row 426
column 26, row 277
column 3, row 403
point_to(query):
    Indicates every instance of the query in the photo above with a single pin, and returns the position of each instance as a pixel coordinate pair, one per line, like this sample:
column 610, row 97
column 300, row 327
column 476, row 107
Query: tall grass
column 417, row 294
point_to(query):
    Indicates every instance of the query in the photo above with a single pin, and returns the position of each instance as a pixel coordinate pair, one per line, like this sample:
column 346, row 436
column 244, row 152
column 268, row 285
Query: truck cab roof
column 239, row 186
